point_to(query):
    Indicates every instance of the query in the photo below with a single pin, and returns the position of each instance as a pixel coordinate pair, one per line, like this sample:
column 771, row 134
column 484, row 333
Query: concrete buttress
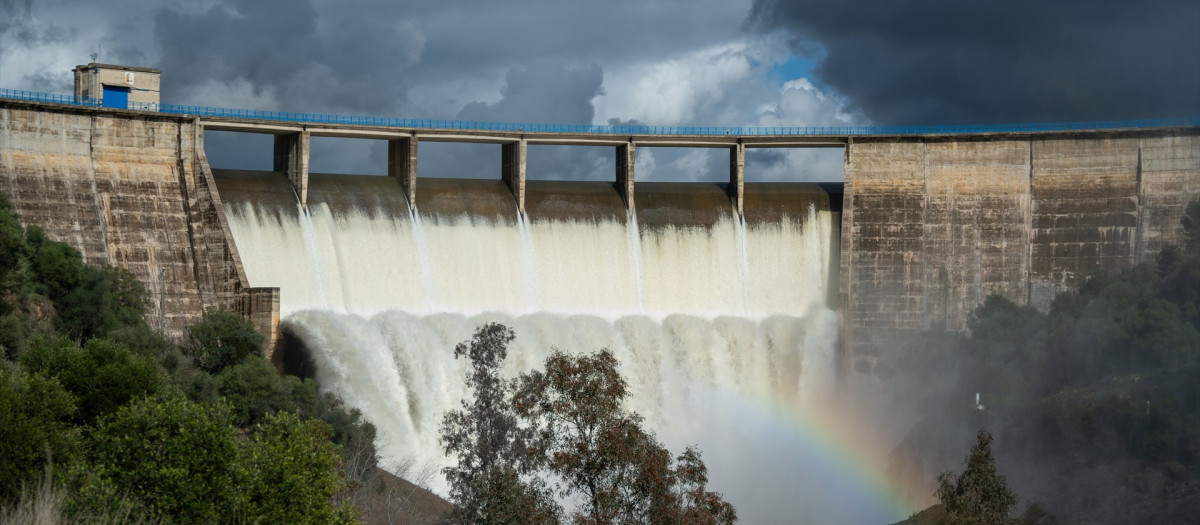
column 513, row 170
column 291, row 159
column 737, row 177
column 402, row 164
column 626, row 156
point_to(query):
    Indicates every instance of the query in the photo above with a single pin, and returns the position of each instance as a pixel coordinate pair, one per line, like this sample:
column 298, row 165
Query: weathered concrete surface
column 291, row 159
column 976, row 241
column 512, row 161
column 931, row 226
column 626, row 159
column 402, row 164
column 737, row 177
column 133, row 190
column 1085, row 195
column 1169, row 180
column 883, row 220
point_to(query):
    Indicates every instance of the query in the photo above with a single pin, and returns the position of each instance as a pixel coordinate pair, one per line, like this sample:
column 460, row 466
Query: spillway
column 715, row 319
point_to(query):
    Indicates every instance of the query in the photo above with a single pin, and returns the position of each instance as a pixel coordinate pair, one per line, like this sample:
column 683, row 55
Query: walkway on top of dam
column 447, row 130
column 293, row 133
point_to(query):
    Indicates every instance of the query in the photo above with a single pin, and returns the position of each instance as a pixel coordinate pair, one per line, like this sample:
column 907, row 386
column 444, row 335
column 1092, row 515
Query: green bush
column 176, row 459
column 13, row 335
column 222, row 338
column 90, row 301
column 105, row 300
column 144, row 341
column 170, row 457
column 294, row 473
column 102, row 375
column 35, row 414
column 56, row 266
column 12, row 240
column 255, row 389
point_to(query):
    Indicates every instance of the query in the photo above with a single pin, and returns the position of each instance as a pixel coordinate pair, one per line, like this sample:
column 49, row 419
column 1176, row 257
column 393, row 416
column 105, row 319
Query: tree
column 587, row 438
column 698, row 505
column 222, row 338
column 600, row 451
column 980, row 495
column 483, row 437
column 566, row 423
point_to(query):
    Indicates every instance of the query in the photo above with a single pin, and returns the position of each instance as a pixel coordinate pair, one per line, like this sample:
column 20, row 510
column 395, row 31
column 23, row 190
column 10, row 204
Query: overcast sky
column 663, row 62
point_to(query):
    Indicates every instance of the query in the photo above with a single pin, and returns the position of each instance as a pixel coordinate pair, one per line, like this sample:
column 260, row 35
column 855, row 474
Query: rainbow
column 844, row 459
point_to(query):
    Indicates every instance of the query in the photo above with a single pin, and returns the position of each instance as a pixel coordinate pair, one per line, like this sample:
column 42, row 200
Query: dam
column 735, row 308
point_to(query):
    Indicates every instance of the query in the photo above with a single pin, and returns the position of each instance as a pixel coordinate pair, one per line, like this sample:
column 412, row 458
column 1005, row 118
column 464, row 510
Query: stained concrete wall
column 931, row 226
column 135, row 191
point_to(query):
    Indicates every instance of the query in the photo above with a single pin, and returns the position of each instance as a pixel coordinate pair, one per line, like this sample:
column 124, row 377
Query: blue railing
column 597, row 129
column 49, row 97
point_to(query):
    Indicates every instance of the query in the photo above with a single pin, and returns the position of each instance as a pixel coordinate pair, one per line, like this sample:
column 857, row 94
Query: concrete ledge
column 261, row 306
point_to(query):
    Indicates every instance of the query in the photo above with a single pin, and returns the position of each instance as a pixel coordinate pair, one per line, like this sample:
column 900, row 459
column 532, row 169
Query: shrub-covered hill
column 104, row 420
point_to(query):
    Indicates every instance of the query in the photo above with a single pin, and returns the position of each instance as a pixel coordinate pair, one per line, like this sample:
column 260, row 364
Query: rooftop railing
column 600, row 129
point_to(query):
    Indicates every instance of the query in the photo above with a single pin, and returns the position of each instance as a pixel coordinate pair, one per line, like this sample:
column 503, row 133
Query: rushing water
column 706, row 322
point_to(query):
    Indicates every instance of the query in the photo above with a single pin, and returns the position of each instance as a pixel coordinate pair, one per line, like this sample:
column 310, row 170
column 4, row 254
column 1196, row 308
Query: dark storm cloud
column 943, row 61
column 18, row 24
column 354, row 64
column 15, row 14
column 367, row 56
column 482, row 33
column 546, row 91
column 683, row 62
column 421, row 59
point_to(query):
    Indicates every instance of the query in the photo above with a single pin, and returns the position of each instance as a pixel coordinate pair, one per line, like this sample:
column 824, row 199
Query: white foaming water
column 705, row 321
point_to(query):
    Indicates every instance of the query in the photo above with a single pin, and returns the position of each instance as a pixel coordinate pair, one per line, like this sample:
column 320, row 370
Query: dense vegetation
column 980, row 495
column 563, row 431
column 108, row 421
column 1108, row 375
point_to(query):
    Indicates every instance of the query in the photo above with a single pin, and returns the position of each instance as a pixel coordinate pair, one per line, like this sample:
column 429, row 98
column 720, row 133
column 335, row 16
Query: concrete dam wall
column 132, row 190
column 933, row 225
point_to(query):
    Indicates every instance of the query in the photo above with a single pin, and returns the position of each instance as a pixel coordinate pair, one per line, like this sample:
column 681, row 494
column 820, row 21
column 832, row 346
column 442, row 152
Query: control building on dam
column 932, row 220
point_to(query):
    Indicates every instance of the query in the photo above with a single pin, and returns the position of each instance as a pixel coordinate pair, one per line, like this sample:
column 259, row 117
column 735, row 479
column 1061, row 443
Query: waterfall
column 705, row 320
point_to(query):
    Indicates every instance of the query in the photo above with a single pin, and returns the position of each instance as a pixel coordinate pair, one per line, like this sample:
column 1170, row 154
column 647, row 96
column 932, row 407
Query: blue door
column 116, row 97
